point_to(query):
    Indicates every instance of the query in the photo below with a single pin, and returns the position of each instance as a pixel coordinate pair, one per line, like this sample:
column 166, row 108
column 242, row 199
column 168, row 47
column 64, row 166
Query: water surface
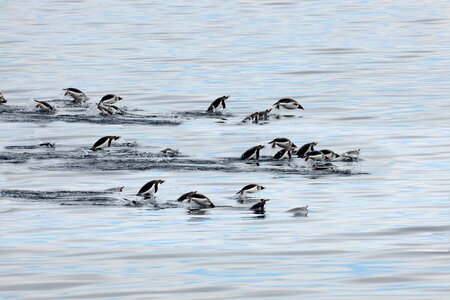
column 371, row 75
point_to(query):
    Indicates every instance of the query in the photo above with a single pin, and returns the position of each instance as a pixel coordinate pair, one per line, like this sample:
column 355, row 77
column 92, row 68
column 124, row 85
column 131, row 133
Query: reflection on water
column 369, row 75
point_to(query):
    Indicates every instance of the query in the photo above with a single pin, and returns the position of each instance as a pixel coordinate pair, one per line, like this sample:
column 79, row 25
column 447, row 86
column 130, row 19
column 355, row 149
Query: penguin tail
column 212, row 205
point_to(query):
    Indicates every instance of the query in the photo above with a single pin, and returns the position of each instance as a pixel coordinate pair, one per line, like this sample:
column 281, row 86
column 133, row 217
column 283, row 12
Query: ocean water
column 372, row 75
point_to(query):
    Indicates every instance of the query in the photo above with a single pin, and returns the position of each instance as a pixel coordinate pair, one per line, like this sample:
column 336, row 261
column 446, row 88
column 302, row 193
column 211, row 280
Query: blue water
column 371, row 75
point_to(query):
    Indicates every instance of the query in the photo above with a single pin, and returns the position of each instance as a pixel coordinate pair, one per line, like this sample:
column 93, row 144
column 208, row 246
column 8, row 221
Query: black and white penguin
column 201, row 200
column 109, row 109
column 283, row 143
column 76, row 94
column 254, row 117
column 283, row 153
column 287, row 103
column 253, row 152
column 264, row 115
column 2, row 99
column 215, row 105
column 110, row 99
column 186, row 196
column 260, row 205
column 301, row 152
column 250, row 189
column 149, row 188
column 104, row 142
column 44, row 106
column 329, row 155
column 315, row 155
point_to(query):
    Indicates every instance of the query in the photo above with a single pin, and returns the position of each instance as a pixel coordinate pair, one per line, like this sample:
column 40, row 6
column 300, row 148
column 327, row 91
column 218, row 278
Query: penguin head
column 162, row 181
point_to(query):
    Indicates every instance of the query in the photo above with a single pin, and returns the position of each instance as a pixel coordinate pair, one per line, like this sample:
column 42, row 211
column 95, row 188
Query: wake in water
column 128, row 156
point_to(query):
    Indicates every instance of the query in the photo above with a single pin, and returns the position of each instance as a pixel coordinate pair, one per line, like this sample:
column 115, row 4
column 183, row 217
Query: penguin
column 254, row 117
column 149, row 188
column 170, row 152
column 104, row 142
column 287, row 103
column 215, row 105
column 2, row 99
column 133, row 202
column 44, row 106
column 253, row 152
column 186, row 196
column 264, row 115
column 315, row 155
column 76, row 94
column 201, row 200
column 298, row 209
column 283, row 153
column 353, row 154
column 329, row 155
column 47, row 145
column 118, row 189
column 250, row 189
column 110, row 99
column 109, row 109
column 301, row 152
column 283, row 143
column 260, row 205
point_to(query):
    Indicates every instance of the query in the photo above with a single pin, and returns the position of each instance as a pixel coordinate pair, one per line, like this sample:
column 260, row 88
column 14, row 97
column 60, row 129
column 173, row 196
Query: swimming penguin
column 329, row 155
column 201, row 200
column 254, row 117
column 264, row 115
column 76, row 94
column 109, row 109
column 283, row 143
column 260, row 205
column 283, row 153
column 353, row 154
column 315, row 155
column 2, row 99
column 118, row 189
column 253, row 152
column 104, row 142
column 301, row 152
column 215, row 105
column 299, row 211
column 44, row 106
column 186, row 196
column 287, row 103
column 110, row 99
column 149, row 188
column 47, row 145
column 250, row 189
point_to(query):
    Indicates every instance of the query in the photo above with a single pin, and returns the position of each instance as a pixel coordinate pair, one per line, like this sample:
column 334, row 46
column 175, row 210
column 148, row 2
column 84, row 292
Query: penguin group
column 194, row 199
column 306, row 152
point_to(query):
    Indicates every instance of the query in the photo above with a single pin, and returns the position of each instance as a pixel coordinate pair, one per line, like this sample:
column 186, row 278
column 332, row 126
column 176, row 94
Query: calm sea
column 370, row 74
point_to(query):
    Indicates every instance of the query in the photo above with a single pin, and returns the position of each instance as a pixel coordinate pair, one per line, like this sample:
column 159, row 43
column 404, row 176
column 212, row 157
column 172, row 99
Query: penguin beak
column 120, row 98
column 162, row 181
column 300, row 107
